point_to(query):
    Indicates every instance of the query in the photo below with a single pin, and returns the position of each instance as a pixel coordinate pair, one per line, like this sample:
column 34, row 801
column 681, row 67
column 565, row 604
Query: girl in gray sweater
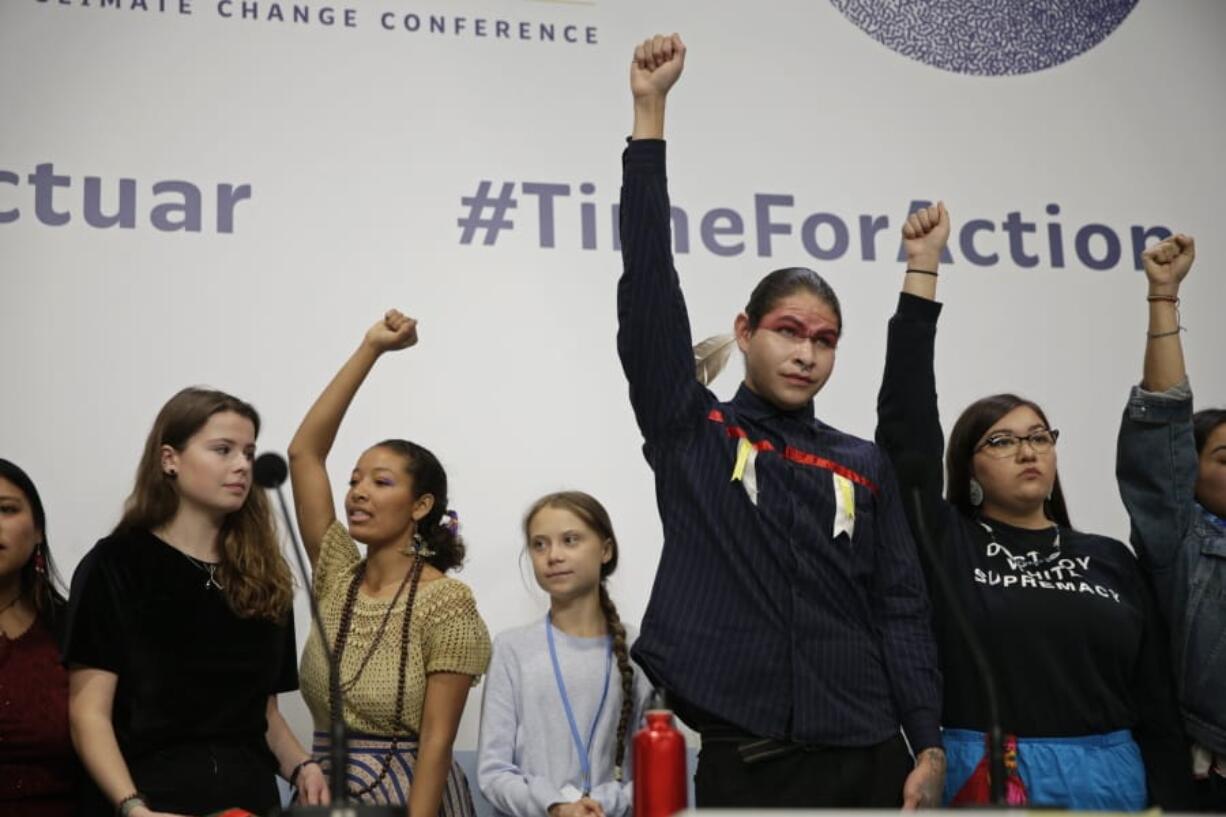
column 556, row 719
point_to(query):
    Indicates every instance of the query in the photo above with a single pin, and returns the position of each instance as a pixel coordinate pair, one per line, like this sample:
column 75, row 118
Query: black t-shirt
column 190, row 669
column 1070, row 632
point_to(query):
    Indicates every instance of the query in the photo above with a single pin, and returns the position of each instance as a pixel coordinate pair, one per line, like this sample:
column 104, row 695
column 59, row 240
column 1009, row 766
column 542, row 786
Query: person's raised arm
column 924, row 234
column 656, row 67
column 308, row 450
column 1156, row 462
column 1166, row 265
column 653, row 338
column 908, row 423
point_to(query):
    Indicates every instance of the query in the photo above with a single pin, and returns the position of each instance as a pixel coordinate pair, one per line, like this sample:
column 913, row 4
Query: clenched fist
column 925, row 233
column 657, row 64
column 395, row 331
column 1167, row 263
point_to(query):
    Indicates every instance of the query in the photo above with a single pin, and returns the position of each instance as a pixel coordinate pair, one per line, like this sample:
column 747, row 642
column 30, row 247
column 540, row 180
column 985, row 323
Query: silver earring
column 976, row 492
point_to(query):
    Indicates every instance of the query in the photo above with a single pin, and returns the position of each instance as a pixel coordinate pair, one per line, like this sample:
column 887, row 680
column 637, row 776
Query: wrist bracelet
column 923, row 271
column 130, row 804
column 293, row 775
column 1173, row 300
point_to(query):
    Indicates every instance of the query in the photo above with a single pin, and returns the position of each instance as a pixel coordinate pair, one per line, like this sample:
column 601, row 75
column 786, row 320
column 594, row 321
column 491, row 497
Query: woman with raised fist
column 1171, row 466
column 407, row 637
column 1066, row 618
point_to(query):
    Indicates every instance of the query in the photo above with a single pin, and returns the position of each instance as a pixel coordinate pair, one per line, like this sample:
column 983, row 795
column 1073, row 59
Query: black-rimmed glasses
column 1003, row 444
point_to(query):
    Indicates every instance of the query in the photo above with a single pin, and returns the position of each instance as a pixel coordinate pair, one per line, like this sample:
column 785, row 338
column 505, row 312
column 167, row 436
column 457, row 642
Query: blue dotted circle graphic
column 988, row 37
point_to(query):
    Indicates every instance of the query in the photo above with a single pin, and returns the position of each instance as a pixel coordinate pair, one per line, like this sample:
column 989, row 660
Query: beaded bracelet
column 293, row 775
column 130, row 804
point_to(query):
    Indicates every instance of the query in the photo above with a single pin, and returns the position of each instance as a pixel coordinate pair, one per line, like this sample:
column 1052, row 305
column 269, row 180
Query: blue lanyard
column 585, row 752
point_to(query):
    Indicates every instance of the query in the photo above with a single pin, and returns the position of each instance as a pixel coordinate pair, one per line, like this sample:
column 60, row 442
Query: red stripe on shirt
column 796, row 455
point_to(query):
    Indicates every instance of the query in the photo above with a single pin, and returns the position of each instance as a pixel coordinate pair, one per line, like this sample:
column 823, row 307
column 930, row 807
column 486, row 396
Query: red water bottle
column 659, row 767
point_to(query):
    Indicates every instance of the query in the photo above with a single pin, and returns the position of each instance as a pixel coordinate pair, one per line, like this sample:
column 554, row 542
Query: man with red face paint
column 788, row 620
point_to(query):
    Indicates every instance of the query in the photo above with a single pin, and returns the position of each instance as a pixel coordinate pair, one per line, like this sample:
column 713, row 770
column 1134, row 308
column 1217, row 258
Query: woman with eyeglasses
column 1066, row 618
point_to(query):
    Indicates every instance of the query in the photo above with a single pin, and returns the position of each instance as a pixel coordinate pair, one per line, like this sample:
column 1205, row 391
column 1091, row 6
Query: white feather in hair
column 711, row 356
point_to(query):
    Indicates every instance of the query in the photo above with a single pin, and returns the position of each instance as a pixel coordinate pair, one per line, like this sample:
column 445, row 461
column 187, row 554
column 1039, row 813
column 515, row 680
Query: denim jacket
column 1181, row 548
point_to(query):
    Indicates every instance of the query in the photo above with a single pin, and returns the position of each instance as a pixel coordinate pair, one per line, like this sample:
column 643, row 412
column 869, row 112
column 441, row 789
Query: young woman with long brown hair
column 181, row 632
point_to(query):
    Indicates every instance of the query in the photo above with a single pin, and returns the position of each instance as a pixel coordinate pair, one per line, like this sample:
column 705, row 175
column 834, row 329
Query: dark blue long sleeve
column 763, row 614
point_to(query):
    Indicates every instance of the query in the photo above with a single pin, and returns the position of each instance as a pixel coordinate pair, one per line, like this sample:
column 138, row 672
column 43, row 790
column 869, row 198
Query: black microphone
column 270, row 471
column 912, row 470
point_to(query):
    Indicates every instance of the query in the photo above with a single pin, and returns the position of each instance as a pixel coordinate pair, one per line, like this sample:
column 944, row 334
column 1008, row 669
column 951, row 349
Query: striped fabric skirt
column 366, row 757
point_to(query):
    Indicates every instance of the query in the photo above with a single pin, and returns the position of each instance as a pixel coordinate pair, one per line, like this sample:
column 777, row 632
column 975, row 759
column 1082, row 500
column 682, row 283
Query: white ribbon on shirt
column 844, row 507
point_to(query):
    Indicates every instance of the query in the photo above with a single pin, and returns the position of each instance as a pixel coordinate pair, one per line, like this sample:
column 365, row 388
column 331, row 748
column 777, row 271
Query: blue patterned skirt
column 366, row 757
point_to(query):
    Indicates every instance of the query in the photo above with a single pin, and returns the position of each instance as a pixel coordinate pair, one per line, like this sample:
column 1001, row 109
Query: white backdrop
column 358, row 143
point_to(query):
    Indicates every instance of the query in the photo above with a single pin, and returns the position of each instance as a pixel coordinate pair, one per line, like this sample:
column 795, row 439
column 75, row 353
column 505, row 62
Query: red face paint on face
column 799, row 326
column 790, row 354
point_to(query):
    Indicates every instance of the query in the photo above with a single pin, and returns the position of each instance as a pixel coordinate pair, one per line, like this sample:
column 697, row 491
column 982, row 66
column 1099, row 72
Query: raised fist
column 656, row 65
column 924, row 235
column 395, row 331
column 1167, row 262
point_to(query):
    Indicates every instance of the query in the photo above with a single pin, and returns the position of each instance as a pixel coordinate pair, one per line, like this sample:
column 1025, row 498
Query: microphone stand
column 270, row 471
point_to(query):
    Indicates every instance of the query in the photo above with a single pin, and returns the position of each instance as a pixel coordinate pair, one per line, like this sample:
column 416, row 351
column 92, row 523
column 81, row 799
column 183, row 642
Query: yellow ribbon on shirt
column 743, row 449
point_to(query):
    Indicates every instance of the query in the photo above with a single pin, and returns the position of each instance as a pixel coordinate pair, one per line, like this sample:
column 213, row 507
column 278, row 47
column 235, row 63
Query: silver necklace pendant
column 209, row 568
column 1031, row 561
column 212, row 580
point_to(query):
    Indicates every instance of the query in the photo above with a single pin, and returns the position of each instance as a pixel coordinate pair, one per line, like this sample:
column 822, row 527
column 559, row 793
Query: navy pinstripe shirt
column 759, row 615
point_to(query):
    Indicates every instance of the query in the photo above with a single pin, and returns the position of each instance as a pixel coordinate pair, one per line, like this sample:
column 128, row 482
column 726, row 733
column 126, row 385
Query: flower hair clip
column 451, row 522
